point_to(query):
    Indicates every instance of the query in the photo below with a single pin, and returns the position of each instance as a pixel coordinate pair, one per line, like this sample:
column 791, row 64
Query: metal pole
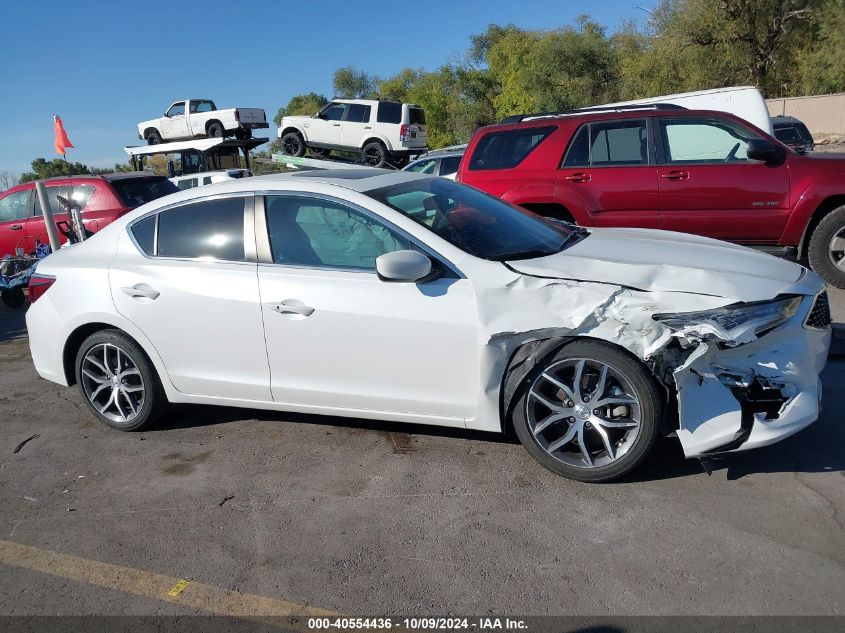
column 52, row 231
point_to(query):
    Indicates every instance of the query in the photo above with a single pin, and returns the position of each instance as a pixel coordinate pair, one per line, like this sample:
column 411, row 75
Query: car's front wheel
column 826, row 251
column 589, row 412
column 118, row 382
column 293, row 144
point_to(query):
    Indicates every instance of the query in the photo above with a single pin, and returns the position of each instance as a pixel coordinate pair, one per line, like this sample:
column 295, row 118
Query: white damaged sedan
column 396, row 296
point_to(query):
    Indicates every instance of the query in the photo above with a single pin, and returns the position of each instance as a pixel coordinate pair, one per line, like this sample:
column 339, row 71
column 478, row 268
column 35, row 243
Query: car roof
column 357, row 179
column 111, row 177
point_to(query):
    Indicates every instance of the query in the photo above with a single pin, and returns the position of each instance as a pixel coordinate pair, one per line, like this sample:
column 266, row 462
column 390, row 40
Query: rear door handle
column 675, row 175
column 141, row 291
column 368, row 127
column 16, row 227
column 577, row 177
column 291, row 306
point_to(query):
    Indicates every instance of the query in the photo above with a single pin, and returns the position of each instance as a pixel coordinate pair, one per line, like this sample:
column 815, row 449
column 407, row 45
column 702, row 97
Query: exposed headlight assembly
column 734, row 324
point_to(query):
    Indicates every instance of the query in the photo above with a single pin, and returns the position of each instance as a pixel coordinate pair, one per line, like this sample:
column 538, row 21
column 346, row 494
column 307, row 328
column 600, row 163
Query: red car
column 694, row 171
column 101, row 199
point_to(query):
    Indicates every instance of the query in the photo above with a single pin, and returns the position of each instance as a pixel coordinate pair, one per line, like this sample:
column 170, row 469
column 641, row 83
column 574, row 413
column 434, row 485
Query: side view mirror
column 763, row 150
column 404, row 266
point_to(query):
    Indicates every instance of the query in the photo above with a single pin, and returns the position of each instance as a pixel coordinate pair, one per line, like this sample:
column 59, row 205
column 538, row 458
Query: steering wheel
column 732, row 154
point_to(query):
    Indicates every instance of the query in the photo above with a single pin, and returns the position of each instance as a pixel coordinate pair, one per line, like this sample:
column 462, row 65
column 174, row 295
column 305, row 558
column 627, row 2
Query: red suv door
column 14, row 213
column 709, row 186
column 609, row 171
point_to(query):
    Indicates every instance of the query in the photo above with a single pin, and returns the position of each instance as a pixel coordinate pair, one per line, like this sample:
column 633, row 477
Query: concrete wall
column 822, row 114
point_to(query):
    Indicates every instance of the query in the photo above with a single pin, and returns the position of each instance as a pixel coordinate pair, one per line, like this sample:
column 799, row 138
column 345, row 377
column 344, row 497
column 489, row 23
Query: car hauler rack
column 197, row 155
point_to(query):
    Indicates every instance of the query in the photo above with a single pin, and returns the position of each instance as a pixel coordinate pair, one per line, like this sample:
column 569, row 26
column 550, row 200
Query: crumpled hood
column 653, row 260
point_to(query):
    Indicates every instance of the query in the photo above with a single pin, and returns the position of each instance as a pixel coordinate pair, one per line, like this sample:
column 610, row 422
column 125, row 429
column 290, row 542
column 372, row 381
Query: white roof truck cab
column 383, row 132
column 191, row 118
column 743, row 101
column 189, row 181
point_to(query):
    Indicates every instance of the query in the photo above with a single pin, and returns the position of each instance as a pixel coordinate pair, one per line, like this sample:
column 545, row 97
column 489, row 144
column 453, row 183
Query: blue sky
column 105, row 66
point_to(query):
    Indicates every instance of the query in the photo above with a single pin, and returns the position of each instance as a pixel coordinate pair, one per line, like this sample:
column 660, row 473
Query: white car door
column 175, row 124
column 339, row 338
column 356, row 127
column 187, row 278
column 325, row 127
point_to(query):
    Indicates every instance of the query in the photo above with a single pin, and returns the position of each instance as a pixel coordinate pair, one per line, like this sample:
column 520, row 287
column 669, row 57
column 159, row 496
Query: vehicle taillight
column 405, row 133
column 38, row 285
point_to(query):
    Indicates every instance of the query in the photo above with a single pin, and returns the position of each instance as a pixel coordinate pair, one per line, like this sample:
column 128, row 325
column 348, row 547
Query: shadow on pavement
column 12, row 323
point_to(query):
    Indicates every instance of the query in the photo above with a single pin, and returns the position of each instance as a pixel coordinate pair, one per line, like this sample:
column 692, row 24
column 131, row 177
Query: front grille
column 819, row 316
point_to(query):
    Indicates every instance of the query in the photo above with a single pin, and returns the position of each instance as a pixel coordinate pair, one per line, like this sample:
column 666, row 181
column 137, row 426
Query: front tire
column 589, row 412
column 153, row 137
column 293, row 144
column 118, row 382
column 826, row 251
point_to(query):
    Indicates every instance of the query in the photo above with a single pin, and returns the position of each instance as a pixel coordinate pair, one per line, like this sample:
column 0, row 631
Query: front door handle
column 336, row 124
column 291, row 306
column 141, row 291
column 580, row 177
column 675, row 175
column 368, row 127
column 16, row 227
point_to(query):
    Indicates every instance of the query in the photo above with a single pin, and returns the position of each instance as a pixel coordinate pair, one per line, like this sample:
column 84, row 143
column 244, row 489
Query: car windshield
column 134, row 192
column 476, row 222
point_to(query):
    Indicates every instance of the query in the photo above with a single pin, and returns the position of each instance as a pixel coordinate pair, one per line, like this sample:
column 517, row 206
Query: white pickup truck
column 191, row 118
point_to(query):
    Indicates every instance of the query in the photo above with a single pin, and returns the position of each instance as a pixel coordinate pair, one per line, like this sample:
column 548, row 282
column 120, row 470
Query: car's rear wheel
column 826, row 251
column 243, row 134
column 153, row 137
column 14, row 298
column 375, row 154
column 292, row 144
column 118, row 382
column 589, row 412
column 215, row 130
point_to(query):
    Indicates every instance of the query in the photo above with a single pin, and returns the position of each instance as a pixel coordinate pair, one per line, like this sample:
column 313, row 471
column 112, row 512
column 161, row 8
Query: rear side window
column 210, row 229
column 144, row 233
column 609, row 143
column 134, row 192
column 449, row 165
column 417, row 116
column 358, row 113
column 503, row 150
column 64, row 198
column 188, row 183
column 389, row 112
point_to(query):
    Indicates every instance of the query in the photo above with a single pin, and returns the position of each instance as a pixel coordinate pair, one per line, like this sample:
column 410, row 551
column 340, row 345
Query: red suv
column 102, row 199
column 695, row 171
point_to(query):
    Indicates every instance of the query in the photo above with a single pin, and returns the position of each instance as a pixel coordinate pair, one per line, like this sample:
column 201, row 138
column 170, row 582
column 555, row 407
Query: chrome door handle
column 141, row 291
column 291, row 306
column 676, row 175
column 16, row 227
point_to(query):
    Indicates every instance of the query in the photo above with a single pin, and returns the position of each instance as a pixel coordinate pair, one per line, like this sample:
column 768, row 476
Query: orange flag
column 62, row 141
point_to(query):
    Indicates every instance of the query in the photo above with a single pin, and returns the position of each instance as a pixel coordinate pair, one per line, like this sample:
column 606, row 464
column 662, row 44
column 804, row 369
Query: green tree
column 305, row 104
column 820, row 64
column 42, row 168
column 351, row 83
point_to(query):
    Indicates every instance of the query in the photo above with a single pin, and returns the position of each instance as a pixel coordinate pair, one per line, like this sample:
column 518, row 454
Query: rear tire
column 215, row 130
column 375, row 154
column 293, row 144
column 583, row 426
column 118, row 382
column 243, row 134
column 14, row 298
column 153, row 137
column 826, row 251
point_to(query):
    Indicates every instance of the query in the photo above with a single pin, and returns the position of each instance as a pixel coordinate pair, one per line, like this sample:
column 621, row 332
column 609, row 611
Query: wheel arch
column 211, row 122
column 293, row 128
column 377, row 137
column 150, row 130
column 827, row 205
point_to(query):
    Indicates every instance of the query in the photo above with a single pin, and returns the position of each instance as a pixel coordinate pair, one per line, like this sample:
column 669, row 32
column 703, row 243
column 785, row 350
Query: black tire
column 824, row 252
column 152, row 401
column 14, row 298
column 375, row 154
column 399, row 161
column 153, row 137
column 639, row 444
column 243, row 134
column 319, row 152
column 293, row 144
column 215, row 130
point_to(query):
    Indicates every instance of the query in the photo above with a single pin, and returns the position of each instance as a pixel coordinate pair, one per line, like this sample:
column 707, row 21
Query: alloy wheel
column 112, row 382
column 836, row 249
column 291, row 146
column 374, row 156
column 583, row 413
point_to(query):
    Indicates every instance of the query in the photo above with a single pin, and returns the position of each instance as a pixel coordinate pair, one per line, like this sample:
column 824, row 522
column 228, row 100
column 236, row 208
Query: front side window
column 503, row 150
column 334, row 112
column 358, row 113
column 475, row 222
column 65, row 197
column 13, row 206
column 449, row 165
column 307, row 231
column 609, row 143
column 423, row 166
column 177, row 109
column 212, row 229
column 694, row 140
column 389, row 112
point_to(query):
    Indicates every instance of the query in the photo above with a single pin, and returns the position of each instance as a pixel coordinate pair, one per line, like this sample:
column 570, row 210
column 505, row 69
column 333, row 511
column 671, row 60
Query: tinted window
column 177, row 109
column 389, row 112
column 13, row 206
column 417, row 116
column 144, row 233
column 610, row 143
column 188, row 183
column 314, row 232
column 502, row 150
column 65, row 197
column 358, row 113
column 423, row 166
column 475, row 222
column 788, row 134
column 214, row 229
column 691, row 140
column 334, row 112
column 449, row 165
column 134, row 192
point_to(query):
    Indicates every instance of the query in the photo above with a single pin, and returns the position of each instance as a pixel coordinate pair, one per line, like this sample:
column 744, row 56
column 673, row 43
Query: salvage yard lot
column 361, row 517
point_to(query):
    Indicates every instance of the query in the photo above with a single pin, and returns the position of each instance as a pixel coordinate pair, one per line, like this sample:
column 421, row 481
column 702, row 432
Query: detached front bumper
column 754, row 394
